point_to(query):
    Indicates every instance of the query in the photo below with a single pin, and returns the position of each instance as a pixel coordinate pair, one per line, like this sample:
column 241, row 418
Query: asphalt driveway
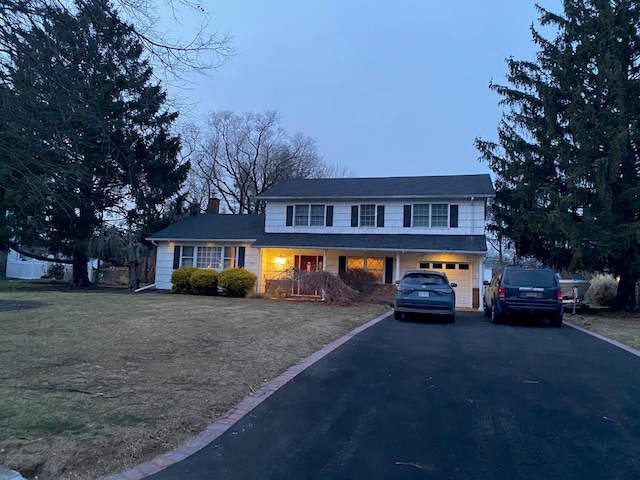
column 420, row 400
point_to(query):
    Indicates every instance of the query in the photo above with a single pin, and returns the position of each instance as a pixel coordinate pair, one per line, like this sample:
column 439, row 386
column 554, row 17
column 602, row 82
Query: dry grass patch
column 93, row 383
column 623, row 327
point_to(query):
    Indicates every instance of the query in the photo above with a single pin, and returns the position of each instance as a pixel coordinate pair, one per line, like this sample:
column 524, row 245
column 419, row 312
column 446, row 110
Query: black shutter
column 342, row 266
column 388, row 270
column 380, row 216
column 354, row 216
column 240, row 259
column 453, row 216
column 176, row 257
column 407, row 216
column 329, row 217
column 289, row 215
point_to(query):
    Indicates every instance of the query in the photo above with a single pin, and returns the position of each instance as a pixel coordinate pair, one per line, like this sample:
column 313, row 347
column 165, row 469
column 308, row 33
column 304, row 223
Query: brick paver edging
column 217, row 428
column 631, row 350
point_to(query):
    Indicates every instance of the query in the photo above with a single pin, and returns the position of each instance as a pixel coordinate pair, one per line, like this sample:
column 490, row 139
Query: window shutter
column 240, row 259
column 388, row 270
column 176, row 257
column 354, row 215
column 453, row 216
column 342, row 266
column 407, row 216
column 380, row 216
column 289, row 215
column 329, row 216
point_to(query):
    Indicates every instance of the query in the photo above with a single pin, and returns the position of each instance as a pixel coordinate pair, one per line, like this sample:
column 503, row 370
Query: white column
column 397, row 267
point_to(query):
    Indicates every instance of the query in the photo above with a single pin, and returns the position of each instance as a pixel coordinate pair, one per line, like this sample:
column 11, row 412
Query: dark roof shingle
column 213, row 227
column 383, row 187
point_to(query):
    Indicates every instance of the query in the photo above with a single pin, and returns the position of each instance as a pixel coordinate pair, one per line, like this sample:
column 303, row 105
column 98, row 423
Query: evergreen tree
column 567, row 156
column 84, row 106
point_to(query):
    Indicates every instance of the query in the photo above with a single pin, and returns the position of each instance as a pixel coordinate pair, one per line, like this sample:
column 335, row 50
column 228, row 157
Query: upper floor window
column 367, row 215
column 309, row 215
column 434, row 215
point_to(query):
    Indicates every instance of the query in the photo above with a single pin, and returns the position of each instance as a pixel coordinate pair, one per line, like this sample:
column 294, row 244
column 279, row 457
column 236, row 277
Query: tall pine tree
column 567, row 156
column 83, row 105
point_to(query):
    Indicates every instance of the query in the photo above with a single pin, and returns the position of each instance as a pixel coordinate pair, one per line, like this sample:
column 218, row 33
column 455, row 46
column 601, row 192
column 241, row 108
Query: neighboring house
column 383, row 225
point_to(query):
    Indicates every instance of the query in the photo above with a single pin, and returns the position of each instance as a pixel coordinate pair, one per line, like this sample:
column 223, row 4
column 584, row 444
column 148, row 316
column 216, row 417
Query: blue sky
column 385, row 88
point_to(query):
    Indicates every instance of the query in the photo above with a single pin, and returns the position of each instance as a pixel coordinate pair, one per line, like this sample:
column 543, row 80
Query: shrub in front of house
column 181, row 280
column 237, row 281
column 360, row 280
column 602, row 291
column 204, row 281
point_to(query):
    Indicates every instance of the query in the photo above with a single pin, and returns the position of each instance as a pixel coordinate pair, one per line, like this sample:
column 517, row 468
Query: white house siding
column 164, row 259
column 471, row 218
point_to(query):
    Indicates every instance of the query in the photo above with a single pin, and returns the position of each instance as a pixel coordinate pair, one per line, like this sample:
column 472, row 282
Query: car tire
column 556, row 321
column 451, row 318
column 495, row 316
column 397, row 315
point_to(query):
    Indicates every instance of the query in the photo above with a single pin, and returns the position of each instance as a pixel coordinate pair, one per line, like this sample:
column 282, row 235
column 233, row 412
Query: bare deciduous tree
column 237, row 157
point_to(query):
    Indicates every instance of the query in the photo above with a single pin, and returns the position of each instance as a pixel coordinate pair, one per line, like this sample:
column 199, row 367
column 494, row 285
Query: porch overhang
column 467, row 244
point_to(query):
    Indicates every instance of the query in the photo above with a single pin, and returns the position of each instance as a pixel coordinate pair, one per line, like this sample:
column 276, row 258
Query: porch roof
column 387, row 242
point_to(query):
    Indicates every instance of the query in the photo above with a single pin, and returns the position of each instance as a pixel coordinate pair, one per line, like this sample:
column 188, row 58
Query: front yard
column 93, row 383
column 96, row 382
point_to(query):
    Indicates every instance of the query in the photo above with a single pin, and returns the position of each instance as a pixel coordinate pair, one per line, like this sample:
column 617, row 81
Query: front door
column 306, row 263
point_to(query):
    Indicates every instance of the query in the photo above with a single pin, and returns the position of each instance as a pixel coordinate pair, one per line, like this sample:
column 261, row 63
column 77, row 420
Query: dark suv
column 524, row 291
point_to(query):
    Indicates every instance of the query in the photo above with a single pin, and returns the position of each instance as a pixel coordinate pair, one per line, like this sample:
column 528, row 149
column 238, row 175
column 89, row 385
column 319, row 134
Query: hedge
column 181, row 280
column 237, row 281
column 204, row 281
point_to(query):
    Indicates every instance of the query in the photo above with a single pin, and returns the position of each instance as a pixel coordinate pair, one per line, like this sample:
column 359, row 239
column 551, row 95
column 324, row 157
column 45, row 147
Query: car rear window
column 530, row 278
column 421, row 278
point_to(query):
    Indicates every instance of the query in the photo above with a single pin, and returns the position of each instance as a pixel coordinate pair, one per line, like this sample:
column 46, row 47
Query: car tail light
column 559, row 294
column 501, row 292
column 446, row 291
column 402, row 288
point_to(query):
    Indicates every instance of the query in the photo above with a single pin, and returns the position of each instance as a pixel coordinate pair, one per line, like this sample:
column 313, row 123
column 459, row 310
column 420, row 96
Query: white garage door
column 459, row 273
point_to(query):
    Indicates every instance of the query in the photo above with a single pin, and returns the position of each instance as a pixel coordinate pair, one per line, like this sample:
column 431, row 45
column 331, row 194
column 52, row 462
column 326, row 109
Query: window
column 301, row 217
column 463, row 266
column 367, row 215
column 209, row 257
column 306, row 215
column 424, row 265
column 431, row 215
column 187, row 257
column 317, row 216
column 421, row 215
column 439, row 215
column 372, row 265
column 217, row 258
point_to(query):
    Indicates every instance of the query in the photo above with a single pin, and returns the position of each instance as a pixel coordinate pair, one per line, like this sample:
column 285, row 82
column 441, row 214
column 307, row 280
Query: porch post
column 260, row 284
column 397, row 267
column 324, row 260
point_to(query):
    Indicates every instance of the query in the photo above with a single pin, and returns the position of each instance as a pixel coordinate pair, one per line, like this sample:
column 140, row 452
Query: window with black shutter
column 380, row 216
column 289, row 215
column 354, row 215
column 406, row 222
column 453, row 216
column 329, row 216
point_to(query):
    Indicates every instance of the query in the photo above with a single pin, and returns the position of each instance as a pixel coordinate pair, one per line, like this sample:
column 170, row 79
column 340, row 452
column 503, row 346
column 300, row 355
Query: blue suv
column 524, row 291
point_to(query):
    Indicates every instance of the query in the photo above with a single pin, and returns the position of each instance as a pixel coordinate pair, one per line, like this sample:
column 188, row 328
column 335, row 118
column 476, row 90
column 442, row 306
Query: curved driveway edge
column 217, row 428
column 632, row 351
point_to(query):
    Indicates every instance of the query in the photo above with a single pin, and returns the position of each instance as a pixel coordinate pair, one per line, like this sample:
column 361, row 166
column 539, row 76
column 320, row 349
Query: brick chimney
column 214, row 205
column 194, row 208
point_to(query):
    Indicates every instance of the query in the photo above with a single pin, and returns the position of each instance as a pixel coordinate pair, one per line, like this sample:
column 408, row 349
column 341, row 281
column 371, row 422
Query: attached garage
column 457, row 272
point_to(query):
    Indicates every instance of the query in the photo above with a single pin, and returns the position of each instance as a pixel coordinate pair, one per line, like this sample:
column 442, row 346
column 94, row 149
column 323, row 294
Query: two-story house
column 383, row 225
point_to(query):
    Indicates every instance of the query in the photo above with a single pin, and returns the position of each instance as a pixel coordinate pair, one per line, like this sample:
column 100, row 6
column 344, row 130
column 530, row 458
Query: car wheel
column 397, row 315
column 495, row 316
column 451, row 318
column 556, row 321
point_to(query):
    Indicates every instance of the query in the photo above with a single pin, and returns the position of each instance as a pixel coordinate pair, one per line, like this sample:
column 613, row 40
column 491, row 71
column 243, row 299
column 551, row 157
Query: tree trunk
column 626, row 297
column 134, row 275
column 80, row 271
